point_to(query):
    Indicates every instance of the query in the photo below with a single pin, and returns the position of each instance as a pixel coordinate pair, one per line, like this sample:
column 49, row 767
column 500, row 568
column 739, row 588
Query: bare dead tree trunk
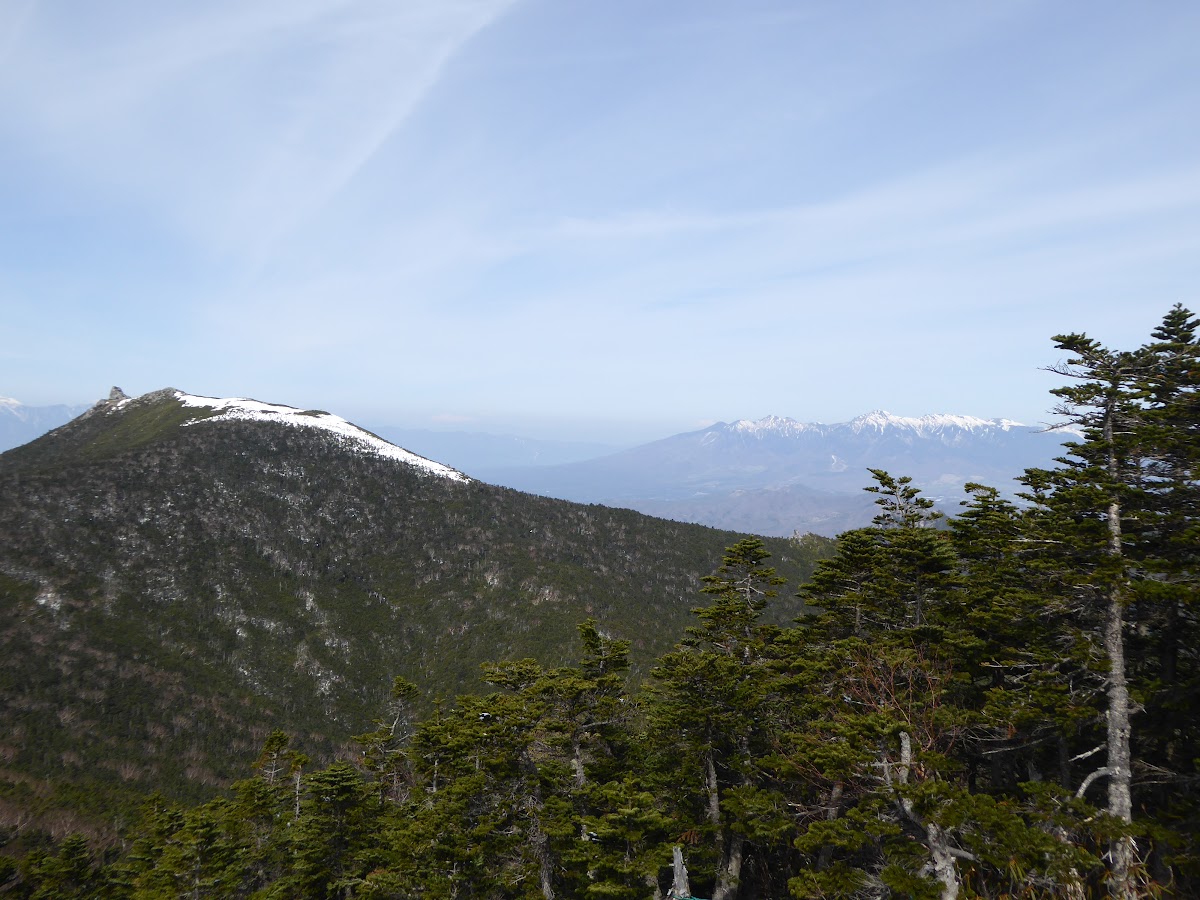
column 541, row 845
column 714, row 803
column 297, row 783
column 944, row 869
column 730, row 847
column 1120, row 797
column 580, row 779
column 539, row 841
column 577, row 770
column 730, row 871
column 941, row 851
column 680, row 888
column 825, row 856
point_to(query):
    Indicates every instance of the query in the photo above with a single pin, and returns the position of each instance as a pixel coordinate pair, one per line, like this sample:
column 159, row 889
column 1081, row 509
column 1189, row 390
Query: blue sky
column 586, row 218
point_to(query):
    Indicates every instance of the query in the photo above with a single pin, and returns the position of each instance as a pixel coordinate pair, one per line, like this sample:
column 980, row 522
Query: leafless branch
column 1091, row 752
column 1087, row 782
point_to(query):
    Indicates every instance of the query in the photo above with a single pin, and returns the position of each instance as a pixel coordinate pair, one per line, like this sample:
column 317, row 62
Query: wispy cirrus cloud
column 236, row 122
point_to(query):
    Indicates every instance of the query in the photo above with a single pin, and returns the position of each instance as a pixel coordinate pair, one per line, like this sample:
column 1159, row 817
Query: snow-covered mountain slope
column 876, row 422
column 120, row 423
column 348, row 435
column 879, row 420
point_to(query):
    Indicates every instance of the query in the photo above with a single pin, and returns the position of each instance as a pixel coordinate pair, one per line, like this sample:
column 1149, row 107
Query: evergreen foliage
column 172, row 590
column 938, row 725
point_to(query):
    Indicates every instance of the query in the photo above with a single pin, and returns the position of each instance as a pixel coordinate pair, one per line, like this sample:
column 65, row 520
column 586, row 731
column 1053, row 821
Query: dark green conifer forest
column 1004, row 704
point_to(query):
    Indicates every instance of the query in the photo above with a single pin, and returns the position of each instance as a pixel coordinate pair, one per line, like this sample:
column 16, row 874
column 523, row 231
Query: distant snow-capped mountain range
column 773, row 475
column 877, row 421
column 777, row 475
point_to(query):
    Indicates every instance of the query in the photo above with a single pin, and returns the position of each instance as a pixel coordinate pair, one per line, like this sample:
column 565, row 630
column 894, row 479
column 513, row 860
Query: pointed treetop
column 901, row 505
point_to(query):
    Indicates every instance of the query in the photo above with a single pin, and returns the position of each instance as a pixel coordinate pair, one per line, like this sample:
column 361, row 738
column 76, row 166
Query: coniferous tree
column 936, row 727
column 1085, row 505
column 69, row 874
column 1164, row 638
column 891, row 576
column 708, row 715
column 513, row 791
column 913, row 672
column 329, row 840
column 383, row 755
column 202, row 858
column 1013, row 644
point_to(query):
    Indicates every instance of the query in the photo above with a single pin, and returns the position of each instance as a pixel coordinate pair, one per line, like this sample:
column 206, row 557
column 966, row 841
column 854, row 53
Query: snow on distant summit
column 348, row 435
column 874, row 421
column 775, row 425
column 879, row 420
column 20, row 423
column 778, row 475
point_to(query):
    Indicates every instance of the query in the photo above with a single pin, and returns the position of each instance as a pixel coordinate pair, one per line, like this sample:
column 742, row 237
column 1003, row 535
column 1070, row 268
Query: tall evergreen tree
column 1012, row 641
column 1164, row 616
column 1114, row 517
column 1083, row 502
column 892, row 576
column 708, row 713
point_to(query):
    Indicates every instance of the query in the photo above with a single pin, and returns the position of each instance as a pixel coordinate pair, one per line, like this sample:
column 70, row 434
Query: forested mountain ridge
column 179, row 576
column 1005, row 707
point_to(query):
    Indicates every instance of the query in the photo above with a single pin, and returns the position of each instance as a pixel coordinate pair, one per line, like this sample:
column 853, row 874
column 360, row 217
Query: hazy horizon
column 599, row 433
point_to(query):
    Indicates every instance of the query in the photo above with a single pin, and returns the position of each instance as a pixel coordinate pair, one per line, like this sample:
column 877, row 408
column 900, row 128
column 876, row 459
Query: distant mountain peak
column 880, row 420
column 770, row 425
column 21, row 423
column 877, row 420
column 347, row 434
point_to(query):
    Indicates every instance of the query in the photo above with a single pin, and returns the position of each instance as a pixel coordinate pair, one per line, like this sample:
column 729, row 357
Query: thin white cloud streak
column 994, row 196
column 939, row 219
column 368, row 131
column 240, row 123
column 935, row 240
column 123, row 75
column 913, row 260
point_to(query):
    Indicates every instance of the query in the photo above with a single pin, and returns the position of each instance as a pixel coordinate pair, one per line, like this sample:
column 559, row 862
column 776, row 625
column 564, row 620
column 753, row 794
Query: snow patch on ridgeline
column 775, row 425
column 878, row 421
column 348, row 435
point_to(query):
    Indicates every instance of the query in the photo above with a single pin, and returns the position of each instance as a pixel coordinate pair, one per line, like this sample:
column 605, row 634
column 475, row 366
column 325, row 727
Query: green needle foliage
column 1003, row 707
